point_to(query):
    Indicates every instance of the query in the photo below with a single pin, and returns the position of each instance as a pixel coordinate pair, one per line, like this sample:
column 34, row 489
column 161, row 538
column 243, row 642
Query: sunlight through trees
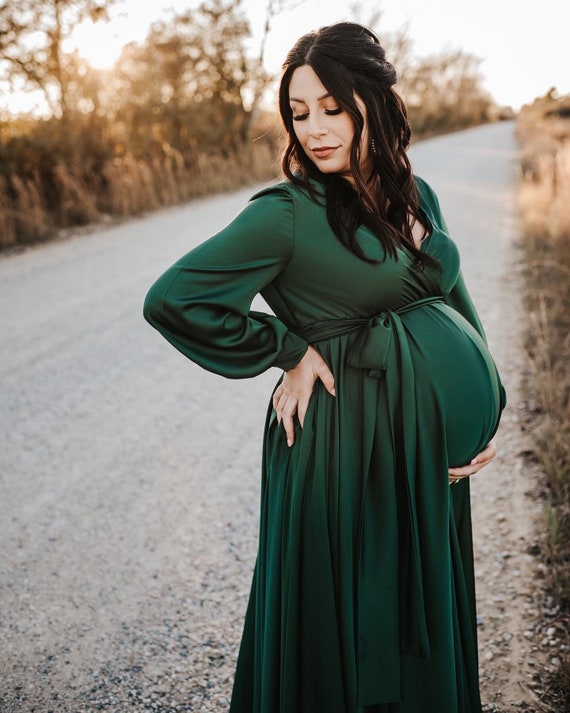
column 180, row 114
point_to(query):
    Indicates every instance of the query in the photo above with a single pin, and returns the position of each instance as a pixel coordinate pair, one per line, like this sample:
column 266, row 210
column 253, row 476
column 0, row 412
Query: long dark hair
column 348, row 58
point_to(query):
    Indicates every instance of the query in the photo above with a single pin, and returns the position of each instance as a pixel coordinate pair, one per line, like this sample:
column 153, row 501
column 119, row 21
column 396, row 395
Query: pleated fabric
column 363, row 597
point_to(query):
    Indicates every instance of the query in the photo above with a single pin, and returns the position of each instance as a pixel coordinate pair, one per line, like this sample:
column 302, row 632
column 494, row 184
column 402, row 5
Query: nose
column 316, row 125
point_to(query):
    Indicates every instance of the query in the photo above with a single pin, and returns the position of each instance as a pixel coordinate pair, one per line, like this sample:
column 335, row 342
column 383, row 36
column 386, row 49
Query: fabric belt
column 381, row 346
column 371, row 349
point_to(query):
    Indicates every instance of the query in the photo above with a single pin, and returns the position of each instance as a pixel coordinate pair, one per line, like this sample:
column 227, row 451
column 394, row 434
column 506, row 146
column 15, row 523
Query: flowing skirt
column 363, row 596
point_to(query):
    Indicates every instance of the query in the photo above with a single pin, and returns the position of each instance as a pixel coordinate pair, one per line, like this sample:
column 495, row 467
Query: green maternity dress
column 363, row 597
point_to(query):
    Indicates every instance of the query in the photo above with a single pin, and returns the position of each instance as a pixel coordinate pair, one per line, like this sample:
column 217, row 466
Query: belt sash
column 381, row 346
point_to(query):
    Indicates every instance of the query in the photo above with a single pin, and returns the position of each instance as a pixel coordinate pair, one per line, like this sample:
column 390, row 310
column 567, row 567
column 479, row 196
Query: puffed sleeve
column 202, row 304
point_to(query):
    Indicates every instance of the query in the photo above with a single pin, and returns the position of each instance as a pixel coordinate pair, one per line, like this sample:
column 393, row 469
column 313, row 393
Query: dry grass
column 544, row 200
column 544, row 191
column 76, row 205
column 33, row 209
column 23, row 214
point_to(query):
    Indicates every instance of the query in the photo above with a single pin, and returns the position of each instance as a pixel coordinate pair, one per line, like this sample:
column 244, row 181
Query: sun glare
column 98, row 43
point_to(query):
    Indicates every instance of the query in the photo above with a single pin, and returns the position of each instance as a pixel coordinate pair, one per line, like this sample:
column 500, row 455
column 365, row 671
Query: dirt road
column 129, row 477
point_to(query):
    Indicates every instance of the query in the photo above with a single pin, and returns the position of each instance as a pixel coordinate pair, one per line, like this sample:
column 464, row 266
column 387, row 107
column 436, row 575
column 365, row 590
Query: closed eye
column 328, row 112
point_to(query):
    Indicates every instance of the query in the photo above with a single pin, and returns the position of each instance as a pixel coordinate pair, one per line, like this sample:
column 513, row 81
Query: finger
column 277, row 395
column 326, row 376
column 278, row 407
column 487, row 454
column 455, row 478
column 476, row 464
column 302, row 407
column 464, row 471
column 481, row 459
column 288, row 414
column 289, row 427
column 282, row 406
column 457, row 472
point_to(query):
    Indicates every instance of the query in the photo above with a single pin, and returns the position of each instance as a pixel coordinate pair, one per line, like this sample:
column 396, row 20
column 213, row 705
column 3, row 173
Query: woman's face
column 323, row 128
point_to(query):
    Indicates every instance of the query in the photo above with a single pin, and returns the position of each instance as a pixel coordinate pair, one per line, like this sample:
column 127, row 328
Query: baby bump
column 458, row 388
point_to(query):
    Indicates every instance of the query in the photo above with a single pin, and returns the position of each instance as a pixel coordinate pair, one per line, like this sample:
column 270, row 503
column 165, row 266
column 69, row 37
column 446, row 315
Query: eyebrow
column 302, row 101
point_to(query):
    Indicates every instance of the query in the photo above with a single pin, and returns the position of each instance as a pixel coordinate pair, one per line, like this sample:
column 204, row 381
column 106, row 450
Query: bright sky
column 524, row 46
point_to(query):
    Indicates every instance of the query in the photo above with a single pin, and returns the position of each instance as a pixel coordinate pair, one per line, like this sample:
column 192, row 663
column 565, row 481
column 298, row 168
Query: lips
column 324, row 151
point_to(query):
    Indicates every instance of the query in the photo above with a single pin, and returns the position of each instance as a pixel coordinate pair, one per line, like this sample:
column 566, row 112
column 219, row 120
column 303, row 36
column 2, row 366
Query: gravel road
column 129, row 477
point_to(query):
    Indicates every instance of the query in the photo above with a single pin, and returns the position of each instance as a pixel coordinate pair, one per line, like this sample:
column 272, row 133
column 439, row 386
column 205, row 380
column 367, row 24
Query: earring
column 373, row 149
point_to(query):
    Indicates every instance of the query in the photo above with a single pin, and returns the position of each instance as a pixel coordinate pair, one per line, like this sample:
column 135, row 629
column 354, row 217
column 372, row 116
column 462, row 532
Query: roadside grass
column 35, row 208
column 543, row 132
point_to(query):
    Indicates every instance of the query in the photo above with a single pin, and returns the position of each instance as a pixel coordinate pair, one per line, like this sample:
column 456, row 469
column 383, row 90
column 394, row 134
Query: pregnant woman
column 363, row 592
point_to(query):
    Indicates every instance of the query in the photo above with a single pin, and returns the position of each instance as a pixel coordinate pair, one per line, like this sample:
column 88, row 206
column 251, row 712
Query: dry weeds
column 33, row 209
column 544, row 200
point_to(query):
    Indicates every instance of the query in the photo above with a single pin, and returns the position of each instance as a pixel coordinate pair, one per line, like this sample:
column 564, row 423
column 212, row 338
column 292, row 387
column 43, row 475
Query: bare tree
column 359, row 12
column 186, row 83
column 32, row 33
column 259, row 78
column 442, row 91
column 445, row 91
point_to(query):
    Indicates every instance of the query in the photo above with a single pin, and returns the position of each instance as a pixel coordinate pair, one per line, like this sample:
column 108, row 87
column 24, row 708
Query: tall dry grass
column 544, row 199
column 23, row 214
column 33, row 209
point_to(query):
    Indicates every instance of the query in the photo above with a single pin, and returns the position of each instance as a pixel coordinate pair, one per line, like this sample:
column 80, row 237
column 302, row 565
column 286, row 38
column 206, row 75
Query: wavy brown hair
column 349, row 59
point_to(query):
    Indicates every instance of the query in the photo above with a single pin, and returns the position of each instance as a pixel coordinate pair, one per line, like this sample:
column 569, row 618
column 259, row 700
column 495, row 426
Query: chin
column 329, row 168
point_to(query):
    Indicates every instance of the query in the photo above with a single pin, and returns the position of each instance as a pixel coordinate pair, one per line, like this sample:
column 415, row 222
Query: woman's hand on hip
column 292, row 396
column 480, row 461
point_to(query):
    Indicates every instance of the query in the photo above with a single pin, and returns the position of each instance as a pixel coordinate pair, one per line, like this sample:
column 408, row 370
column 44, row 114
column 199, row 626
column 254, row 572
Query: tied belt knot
column 376, row 334
column 381, row 346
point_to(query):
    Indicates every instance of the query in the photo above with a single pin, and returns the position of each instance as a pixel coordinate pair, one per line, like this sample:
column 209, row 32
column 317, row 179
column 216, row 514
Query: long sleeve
column 202, row 304
column 455, row 290
column 459, row 299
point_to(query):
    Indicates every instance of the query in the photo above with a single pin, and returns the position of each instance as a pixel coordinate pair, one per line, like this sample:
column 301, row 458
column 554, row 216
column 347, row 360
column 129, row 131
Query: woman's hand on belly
column 292, row 396
column 480, row 461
